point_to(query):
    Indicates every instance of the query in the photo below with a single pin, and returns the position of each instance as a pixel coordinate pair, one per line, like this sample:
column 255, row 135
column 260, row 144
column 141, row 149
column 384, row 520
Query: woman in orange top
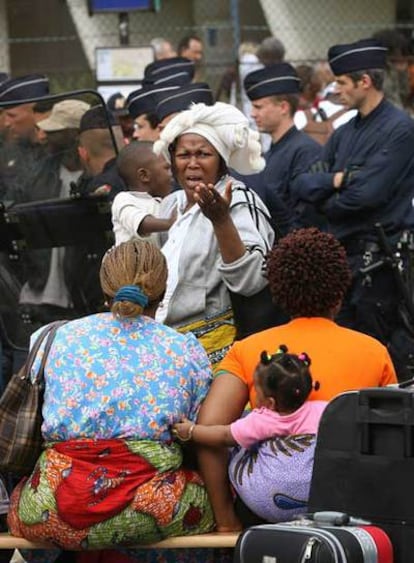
column 308, row 276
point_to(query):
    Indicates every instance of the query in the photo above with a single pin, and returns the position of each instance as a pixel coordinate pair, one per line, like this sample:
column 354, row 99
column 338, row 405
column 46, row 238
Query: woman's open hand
column 213, row 205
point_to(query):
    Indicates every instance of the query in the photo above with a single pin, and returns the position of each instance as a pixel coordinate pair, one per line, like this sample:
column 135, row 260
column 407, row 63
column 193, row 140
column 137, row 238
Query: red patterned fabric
column 101, row 482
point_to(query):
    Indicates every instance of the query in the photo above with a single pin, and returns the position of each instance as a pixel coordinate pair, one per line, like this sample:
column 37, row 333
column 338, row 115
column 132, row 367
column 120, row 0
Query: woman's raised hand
column 213, row 205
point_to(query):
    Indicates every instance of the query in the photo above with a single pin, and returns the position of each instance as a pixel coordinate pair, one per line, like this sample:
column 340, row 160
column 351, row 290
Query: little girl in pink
column 283, row 383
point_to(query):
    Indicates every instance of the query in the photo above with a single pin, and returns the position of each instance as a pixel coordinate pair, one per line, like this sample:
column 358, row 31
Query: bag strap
column 48, row 332
column 337, row 114
column 255, row 211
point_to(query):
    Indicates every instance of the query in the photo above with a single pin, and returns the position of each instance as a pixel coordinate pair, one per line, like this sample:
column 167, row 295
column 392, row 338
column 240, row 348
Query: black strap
column 255, row 211
column 48, row 332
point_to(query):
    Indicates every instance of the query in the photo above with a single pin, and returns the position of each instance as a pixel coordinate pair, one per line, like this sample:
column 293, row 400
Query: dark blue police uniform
column 292, row 154
column 376, row 154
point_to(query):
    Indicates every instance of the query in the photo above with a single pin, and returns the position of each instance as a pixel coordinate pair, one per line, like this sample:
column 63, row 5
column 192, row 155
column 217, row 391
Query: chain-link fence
column 59, row 37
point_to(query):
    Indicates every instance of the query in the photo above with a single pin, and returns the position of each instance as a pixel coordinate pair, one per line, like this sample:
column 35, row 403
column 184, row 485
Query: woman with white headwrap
column 221, row 234
column 218, row 241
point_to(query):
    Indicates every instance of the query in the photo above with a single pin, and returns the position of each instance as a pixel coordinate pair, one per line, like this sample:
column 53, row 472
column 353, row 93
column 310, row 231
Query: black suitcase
column 307, row 541
column 364, row 462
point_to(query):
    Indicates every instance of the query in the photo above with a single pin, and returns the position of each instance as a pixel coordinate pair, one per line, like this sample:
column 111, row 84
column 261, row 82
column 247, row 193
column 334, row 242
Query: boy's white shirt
column 128, row 211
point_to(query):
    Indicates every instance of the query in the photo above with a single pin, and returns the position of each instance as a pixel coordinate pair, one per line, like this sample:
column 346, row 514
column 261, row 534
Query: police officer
column 161, row 76
column 173, row 71
column 169, row 104
column 21, row 158
column 21, row 153
column 141, row 106
column 98, row 154
column 366, row 177
column 274, row 93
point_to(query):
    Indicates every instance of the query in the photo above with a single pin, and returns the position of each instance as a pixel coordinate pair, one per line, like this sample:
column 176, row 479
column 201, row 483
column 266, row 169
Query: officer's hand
column 338, row 180
column 102, row 190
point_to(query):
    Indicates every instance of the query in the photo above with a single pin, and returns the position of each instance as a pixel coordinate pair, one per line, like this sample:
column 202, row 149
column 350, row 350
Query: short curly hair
column 308, row 273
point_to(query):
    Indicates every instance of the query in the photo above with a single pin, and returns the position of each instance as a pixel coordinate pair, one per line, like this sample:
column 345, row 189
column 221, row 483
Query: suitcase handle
column 330, row 518
column 333, row 518
column 388, row 408
column 406, row 383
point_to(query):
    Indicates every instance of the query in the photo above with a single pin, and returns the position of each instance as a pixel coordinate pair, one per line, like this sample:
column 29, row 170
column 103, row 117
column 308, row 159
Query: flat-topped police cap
column 181, row 99
column 144, row 100
column 96, row 118
column 22, row 88
column 175, row 71
column 280, row 78
column 361, row 55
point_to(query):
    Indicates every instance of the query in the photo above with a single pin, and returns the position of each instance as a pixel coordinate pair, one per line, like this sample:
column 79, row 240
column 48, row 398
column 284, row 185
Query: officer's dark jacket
column 21, row 162
column 291, row 155
column 108, row 177
column 82, row 263
column 45, row 184
column 377, row 155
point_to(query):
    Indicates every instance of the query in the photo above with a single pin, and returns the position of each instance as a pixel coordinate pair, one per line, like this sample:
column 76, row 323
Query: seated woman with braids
column 115, row 382
column 308, row 275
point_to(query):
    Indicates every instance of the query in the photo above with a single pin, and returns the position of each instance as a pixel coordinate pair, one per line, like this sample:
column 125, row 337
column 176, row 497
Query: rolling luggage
column 364, row 461
column 312, row 541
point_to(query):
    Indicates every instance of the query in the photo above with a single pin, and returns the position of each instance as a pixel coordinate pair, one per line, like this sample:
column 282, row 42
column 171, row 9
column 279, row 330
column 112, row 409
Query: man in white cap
column 62, row 133
column 365, row 178
column 45, row 295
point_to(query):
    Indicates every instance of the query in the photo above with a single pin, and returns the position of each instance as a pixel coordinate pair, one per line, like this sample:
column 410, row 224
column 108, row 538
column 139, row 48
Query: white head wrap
column 222, row 125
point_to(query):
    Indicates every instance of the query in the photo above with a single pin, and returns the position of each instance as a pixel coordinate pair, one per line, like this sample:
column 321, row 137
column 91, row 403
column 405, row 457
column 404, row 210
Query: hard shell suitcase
column 305, row 541
column 364, row 461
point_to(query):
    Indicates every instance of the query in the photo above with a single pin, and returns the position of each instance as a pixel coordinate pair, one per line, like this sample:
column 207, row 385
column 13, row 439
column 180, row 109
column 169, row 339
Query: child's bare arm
column 151, row 224
column 217, row 435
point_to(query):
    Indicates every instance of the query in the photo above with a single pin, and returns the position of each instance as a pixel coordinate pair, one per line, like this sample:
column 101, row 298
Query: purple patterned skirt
column 273, row 478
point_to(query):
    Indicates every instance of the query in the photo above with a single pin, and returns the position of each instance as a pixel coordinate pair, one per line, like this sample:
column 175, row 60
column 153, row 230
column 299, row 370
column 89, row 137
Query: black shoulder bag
column 21, row 411
column 256, row 312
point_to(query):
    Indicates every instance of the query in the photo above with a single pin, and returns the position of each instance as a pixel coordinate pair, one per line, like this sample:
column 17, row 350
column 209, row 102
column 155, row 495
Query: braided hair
column 136, row 262
column 286, row 378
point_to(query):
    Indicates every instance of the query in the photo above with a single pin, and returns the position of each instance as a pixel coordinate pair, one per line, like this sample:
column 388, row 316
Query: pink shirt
column 264, row 423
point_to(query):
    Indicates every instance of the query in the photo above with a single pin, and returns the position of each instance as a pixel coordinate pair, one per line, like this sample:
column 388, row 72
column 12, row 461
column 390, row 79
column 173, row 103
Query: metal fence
column 59, row 38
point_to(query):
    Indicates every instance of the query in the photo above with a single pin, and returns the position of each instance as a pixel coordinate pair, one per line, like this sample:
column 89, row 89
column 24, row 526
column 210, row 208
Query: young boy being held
column 149, row 179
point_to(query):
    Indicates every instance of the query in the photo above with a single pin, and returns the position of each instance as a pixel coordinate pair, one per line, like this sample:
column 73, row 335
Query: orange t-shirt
column 341, row 359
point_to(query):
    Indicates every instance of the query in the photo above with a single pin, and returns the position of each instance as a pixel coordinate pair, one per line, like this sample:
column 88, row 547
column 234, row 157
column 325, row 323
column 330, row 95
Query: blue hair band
column 132, row 293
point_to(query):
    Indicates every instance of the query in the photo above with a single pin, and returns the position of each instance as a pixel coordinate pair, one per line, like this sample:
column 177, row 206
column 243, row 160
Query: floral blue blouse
column 108, row 378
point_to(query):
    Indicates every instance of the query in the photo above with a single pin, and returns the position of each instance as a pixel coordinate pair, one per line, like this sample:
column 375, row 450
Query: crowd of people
column 209, row 227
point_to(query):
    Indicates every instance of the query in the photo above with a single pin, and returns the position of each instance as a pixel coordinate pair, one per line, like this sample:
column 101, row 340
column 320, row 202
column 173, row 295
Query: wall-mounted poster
column 122, row 64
